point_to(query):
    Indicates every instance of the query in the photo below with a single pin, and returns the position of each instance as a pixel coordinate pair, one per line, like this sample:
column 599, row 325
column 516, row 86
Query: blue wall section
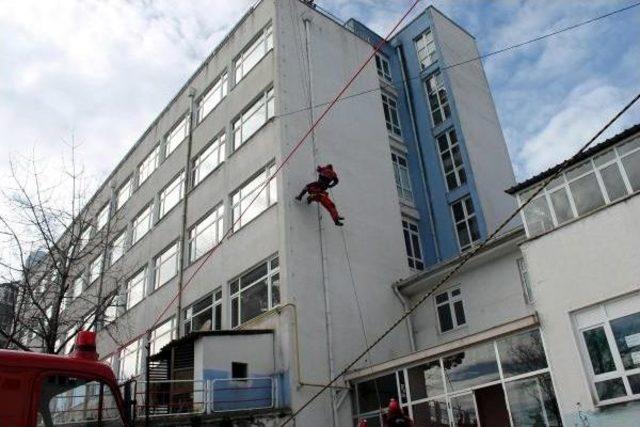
column 242, row 395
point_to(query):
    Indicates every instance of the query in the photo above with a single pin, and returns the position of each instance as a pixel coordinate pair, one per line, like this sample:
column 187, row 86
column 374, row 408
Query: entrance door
column 492, row 407
column 463, row 410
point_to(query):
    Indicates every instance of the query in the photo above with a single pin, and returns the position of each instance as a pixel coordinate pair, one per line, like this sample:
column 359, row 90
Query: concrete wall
column 575, row 266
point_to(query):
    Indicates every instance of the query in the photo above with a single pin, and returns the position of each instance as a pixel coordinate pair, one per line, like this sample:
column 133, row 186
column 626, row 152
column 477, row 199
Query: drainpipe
column 405, row 307
column 325, row 289
column 183, row 229
column 423, row 167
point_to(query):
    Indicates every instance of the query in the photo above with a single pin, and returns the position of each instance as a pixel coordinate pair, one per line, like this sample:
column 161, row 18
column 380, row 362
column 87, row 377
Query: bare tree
column 56, row 244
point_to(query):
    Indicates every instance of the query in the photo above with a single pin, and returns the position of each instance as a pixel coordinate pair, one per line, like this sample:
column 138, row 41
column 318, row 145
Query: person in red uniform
column 395, row 417
column 317, row 191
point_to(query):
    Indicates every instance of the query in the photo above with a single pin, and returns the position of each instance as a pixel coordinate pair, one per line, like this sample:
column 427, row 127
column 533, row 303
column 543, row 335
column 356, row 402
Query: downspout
column 421, row 163
column 405, row 307
column 325, row 279
column 183, row 229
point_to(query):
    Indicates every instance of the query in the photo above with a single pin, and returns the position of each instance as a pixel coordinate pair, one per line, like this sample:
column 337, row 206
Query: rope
column 464, row 259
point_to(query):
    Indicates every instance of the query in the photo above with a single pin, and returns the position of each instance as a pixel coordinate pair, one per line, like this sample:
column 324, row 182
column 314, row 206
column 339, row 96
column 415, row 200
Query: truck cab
column 50, row 390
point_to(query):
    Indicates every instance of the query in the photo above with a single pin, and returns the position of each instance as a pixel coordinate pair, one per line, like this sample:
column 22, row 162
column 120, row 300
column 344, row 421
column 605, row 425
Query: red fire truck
column 50, row 390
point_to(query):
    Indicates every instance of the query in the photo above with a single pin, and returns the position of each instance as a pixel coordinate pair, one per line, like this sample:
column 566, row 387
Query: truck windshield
column 75, row 401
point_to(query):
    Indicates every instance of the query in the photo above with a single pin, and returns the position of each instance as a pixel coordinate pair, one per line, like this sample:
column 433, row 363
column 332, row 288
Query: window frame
column 266, row 100
column 414, row 263
column 149, row 165
column 102, row 217
column 271, row 190
column 268, row 277
column 456, row 169
column 443, row 106
column 220, row 85
column 217, row 148
column 141, row 282
column 122, row 236
column 126, row 186
column 450, row 303
column 264, row 39
column 92, row 267
column 402, row 171
column 170, row 143
column 217, row 213
column 391, row 114
column 216, row 303
column 382, row 67
column 467, row 221
column 124, row 352
column 158, row 263
column 154, row 338
column 136, row 222
column 177, row 183
column 429, row 48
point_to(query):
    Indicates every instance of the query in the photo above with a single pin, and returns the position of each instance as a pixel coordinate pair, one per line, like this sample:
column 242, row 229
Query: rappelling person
column 395, row 417
column 317, row 190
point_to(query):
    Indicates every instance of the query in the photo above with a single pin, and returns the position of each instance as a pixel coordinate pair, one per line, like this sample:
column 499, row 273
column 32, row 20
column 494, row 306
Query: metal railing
column 203, row 396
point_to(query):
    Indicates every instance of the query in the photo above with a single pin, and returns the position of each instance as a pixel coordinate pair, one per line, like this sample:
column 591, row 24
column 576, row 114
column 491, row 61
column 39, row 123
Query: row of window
column 599, row 181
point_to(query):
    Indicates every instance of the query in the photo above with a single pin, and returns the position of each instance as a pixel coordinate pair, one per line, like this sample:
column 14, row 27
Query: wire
column 464, row 259
column 483, row 56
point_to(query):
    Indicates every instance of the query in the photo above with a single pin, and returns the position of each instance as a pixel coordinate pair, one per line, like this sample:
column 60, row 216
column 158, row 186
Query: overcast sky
column 102, row 70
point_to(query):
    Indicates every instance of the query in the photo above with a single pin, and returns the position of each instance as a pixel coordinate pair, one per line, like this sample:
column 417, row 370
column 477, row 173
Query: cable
column 465, row 259
column 483, row 56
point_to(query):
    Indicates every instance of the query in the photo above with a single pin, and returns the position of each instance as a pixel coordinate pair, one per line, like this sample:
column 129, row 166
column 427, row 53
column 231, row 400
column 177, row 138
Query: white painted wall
column 583, row 263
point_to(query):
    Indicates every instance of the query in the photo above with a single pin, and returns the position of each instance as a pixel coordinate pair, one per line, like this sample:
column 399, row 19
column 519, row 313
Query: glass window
column 532, row 402
column 466, row 223
column 586, row 193
column 171, row 194
column 412, row 244
column 561, row 205
column 426, row 380
column 451, row 159
column 78, row 286
column 103, row 217
column 205, row 314
column 252, row 119
column 148, row 165
column 255, row 292
column 537, row 215
column 631, row 165
column 438, row 101
column 521, row 353
column 375, row 394
column 123, row 194
column 135, row 288
column 117, row 248
column 162, row 335
column 95, row 268
column 207, row 233
column 390, row 109
column 382, row 66
column 401, row 172
column 474, row 366
column 626, row 332
column 599, row 351
column 213, row 96
column 463, row 410
column 253, row 53
column 208, row 160
column 450, row 309
column 426, row 49
column 178, row 134
column 432, row 413
column 130, row 360
column 142, row 224
column 85, row 236
column 76, row 401
column 244, row 208
column 166, row 265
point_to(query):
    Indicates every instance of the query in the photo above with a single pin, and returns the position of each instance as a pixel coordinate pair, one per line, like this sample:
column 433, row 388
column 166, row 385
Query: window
column 142, row 224
column 253, row 53
column 243, row 210
column 464, row 217
column 123, row 194
column 176, row 136
column 102, row 218
column 610, row 344
column 95, row 268
column 85, row 237
column 524, row 280
column 255, row 292
column 239, row 370
column 162, row 335
column 253, row 118
column 382, row 66
column 148, row 165
column 135, row 288
column 401, row 172
column 171, row 195
column 451, row 159
column 426, row 49
column 390, row 108
column 111, row 311
column 438, row 102
column 214, row 95
column 206, row 233
column 208, row 160
column 78, row 286
column 166, row 265
column 130, row 360
column 412, row 244
column 205, row 314
column 450, row 310
column 601, row 180
column 117, row 248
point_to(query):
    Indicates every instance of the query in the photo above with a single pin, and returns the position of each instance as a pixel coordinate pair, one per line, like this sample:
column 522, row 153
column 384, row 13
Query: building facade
column 419, row 158
column 8, row 296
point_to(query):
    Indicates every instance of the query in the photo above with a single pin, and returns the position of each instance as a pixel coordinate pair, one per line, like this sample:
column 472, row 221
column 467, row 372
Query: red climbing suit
column 317, row 190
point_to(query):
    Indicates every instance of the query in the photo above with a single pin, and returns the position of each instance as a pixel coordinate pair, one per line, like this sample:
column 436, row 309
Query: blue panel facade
column 431, row 196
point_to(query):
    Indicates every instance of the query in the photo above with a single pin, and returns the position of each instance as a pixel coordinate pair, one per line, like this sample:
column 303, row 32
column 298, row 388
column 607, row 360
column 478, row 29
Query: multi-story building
column 8, row 295
column 422, row 163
